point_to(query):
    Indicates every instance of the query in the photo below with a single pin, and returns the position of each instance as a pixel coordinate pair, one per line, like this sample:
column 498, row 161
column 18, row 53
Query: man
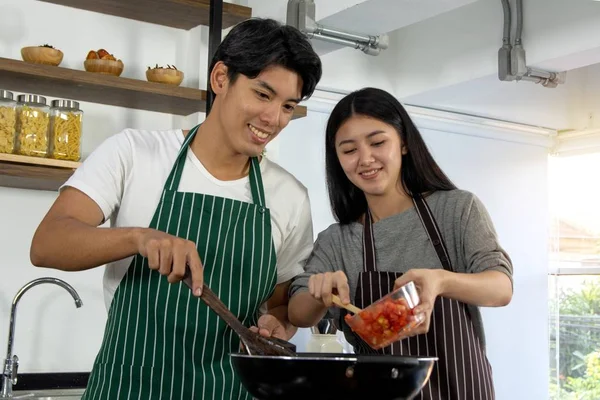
column 202, row 198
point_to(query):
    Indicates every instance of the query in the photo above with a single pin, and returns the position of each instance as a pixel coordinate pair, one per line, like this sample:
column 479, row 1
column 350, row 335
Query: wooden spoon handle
column 352, row 308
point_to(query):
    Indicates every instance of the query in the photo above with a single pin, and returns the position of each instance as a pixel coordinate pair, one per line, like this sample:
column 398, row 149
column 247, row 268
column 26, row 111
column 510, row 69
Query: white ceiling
column 443, row 54
column 572, row 106
column 369, row 17
column 383, row 16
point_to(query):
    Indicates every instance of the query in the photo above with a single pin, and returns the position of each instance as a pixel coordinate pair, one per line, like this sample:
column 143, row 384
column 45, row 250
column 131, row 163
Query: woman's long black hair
column 419, row 172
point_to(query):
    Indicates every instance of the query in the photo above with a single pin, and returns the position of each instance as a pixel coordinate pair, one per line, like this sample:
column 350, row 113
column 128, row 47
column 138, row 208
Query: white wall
column 509, row 174
column 590, row 114
column 510, row 178
column 137, row 44
column 522, row 102
column 51, row 334
column 572, row 105
column 463, row 44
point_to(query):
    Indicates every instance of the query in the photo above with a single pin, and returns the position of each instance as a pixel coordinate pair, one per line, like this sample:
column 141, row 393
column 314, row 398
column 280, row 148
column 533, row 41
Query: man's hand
column 169, row 255
column 275, row 322
column 269, row 326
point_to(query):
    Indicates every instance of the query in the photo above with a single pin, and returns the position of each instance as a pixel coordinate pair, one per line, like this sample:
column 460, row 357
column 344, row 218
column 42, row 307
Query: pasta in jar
column 66, row 130
column 33, row 120
column 8, row 120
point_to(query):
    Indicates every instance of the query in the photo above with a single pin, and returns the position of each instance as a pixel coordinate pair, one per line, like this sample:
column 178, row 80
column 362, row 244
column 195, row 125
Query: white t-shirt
column 126, row 174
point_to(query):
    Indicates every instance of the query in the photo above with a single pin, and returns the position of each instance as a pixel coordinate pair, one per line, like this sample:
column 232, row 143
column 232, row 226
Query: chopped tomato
column 381, row 323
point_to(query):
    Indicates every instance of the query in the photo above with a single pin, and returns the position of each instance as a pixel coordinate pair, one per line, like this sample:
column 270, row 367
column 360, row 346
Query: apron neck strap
column 369, row 261
column 256, row 185
column 433, row 231
column 175, row 176
column 428, row 221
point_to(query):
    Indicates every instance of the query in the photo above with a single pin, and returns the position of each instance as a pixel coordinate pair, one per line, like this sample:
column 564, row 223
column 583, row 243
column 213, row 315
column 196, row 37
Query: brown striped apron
column 462, row 370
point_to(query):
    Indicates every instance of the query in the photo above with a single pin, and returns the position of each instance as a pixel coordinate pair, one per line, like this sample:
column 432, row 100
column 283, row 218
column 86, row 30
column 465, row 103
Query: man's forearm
column 71, row 245
column 305, row 311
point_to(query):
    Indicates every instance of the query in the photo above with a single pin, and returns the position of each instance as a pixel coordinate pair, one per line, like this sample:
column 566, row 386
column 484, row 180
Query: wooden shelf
column 112, row 90
column 34, row 173
column 182, row 14
column 99, row 88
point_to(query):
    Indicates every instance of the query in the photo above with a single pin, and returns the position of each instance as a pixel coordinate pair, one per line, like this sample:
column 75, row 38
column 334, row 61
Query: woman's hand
column 429, row 284
column 322, row 286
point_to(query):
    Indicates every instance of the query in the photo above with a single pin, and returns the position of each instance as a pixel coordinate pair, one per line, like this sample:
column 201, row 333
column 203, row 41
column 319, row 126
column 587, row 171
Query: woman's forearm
column 281, row 313
column 305, row 311
column 485, row 289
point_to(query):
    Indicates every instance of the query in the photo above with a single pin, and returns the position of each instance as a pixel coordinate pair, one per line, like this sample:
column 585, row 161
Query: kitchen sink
column 54, row 394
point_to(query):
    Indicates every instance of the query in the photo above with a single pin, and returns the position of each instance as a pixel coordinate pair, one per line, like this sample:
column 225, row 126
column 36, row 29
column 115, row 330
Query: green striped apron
column 160, row 342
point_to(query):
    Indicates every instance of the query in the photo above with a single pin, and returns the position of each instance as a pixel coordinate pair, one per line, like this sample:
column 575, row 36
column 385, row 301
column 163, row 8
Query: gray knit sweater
column 401, row 244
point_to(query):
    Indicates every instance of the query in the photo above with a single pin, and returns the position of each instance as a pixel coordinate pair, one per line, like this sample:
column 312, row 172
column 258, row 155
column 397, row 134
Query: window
column 574, row 277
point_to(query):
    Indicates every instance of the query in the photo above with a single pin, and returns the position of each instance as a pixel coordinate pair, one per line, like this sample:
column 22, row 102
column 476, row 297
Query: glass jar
column 33, row 122
column 65, row 130
column 8, row 122
column 324, row 343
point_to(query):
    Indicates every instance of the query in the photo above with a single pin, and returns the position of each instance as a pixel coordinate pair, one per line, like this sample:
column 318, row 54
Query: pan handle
column 378, row 359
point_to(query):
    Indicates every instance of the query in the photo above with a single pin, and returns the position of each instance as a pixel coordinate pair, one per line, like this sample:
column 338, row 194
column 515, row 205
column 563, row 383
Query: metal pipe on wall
column 507, row 22
column 512, row 62
column 535, row 79
column 301, row 14
column 364, row 47
column 342, row 35
column 368, row 39
column 540, row 73
column 519, row 29
column 504, row 56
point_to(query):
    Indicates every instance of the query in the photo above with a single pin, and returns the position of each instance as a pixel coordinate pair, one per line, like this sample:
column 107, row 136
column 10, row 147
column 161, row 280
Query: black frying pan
column 315, row 376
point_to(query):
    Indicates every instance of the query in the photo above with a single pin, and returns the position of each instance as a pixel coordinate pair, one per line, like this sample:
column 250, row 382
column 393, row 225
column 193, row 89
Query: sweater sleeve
column 482, row 250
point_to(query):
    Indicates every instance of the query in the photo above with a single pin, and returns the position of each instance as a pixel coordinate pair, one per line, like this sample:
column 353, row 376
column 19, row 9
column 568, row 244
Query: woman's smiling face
column 370, row 153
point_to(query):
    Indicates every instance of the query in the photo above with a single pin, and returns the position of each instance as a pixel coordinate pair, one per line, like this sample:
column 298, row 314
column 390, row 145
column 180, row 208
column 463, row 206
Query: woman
column 400, row 219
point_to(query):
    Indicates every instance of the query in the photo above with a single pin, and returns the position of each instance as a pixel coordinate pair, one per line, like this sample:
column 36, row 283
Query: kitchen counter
column 54, row 394
column 28, row 382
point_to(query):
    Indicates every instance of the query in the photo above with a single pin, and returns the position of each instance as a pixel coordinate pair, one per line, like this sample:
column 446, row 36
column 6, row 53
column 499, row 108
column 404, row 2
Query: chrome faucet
column 11, row 363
